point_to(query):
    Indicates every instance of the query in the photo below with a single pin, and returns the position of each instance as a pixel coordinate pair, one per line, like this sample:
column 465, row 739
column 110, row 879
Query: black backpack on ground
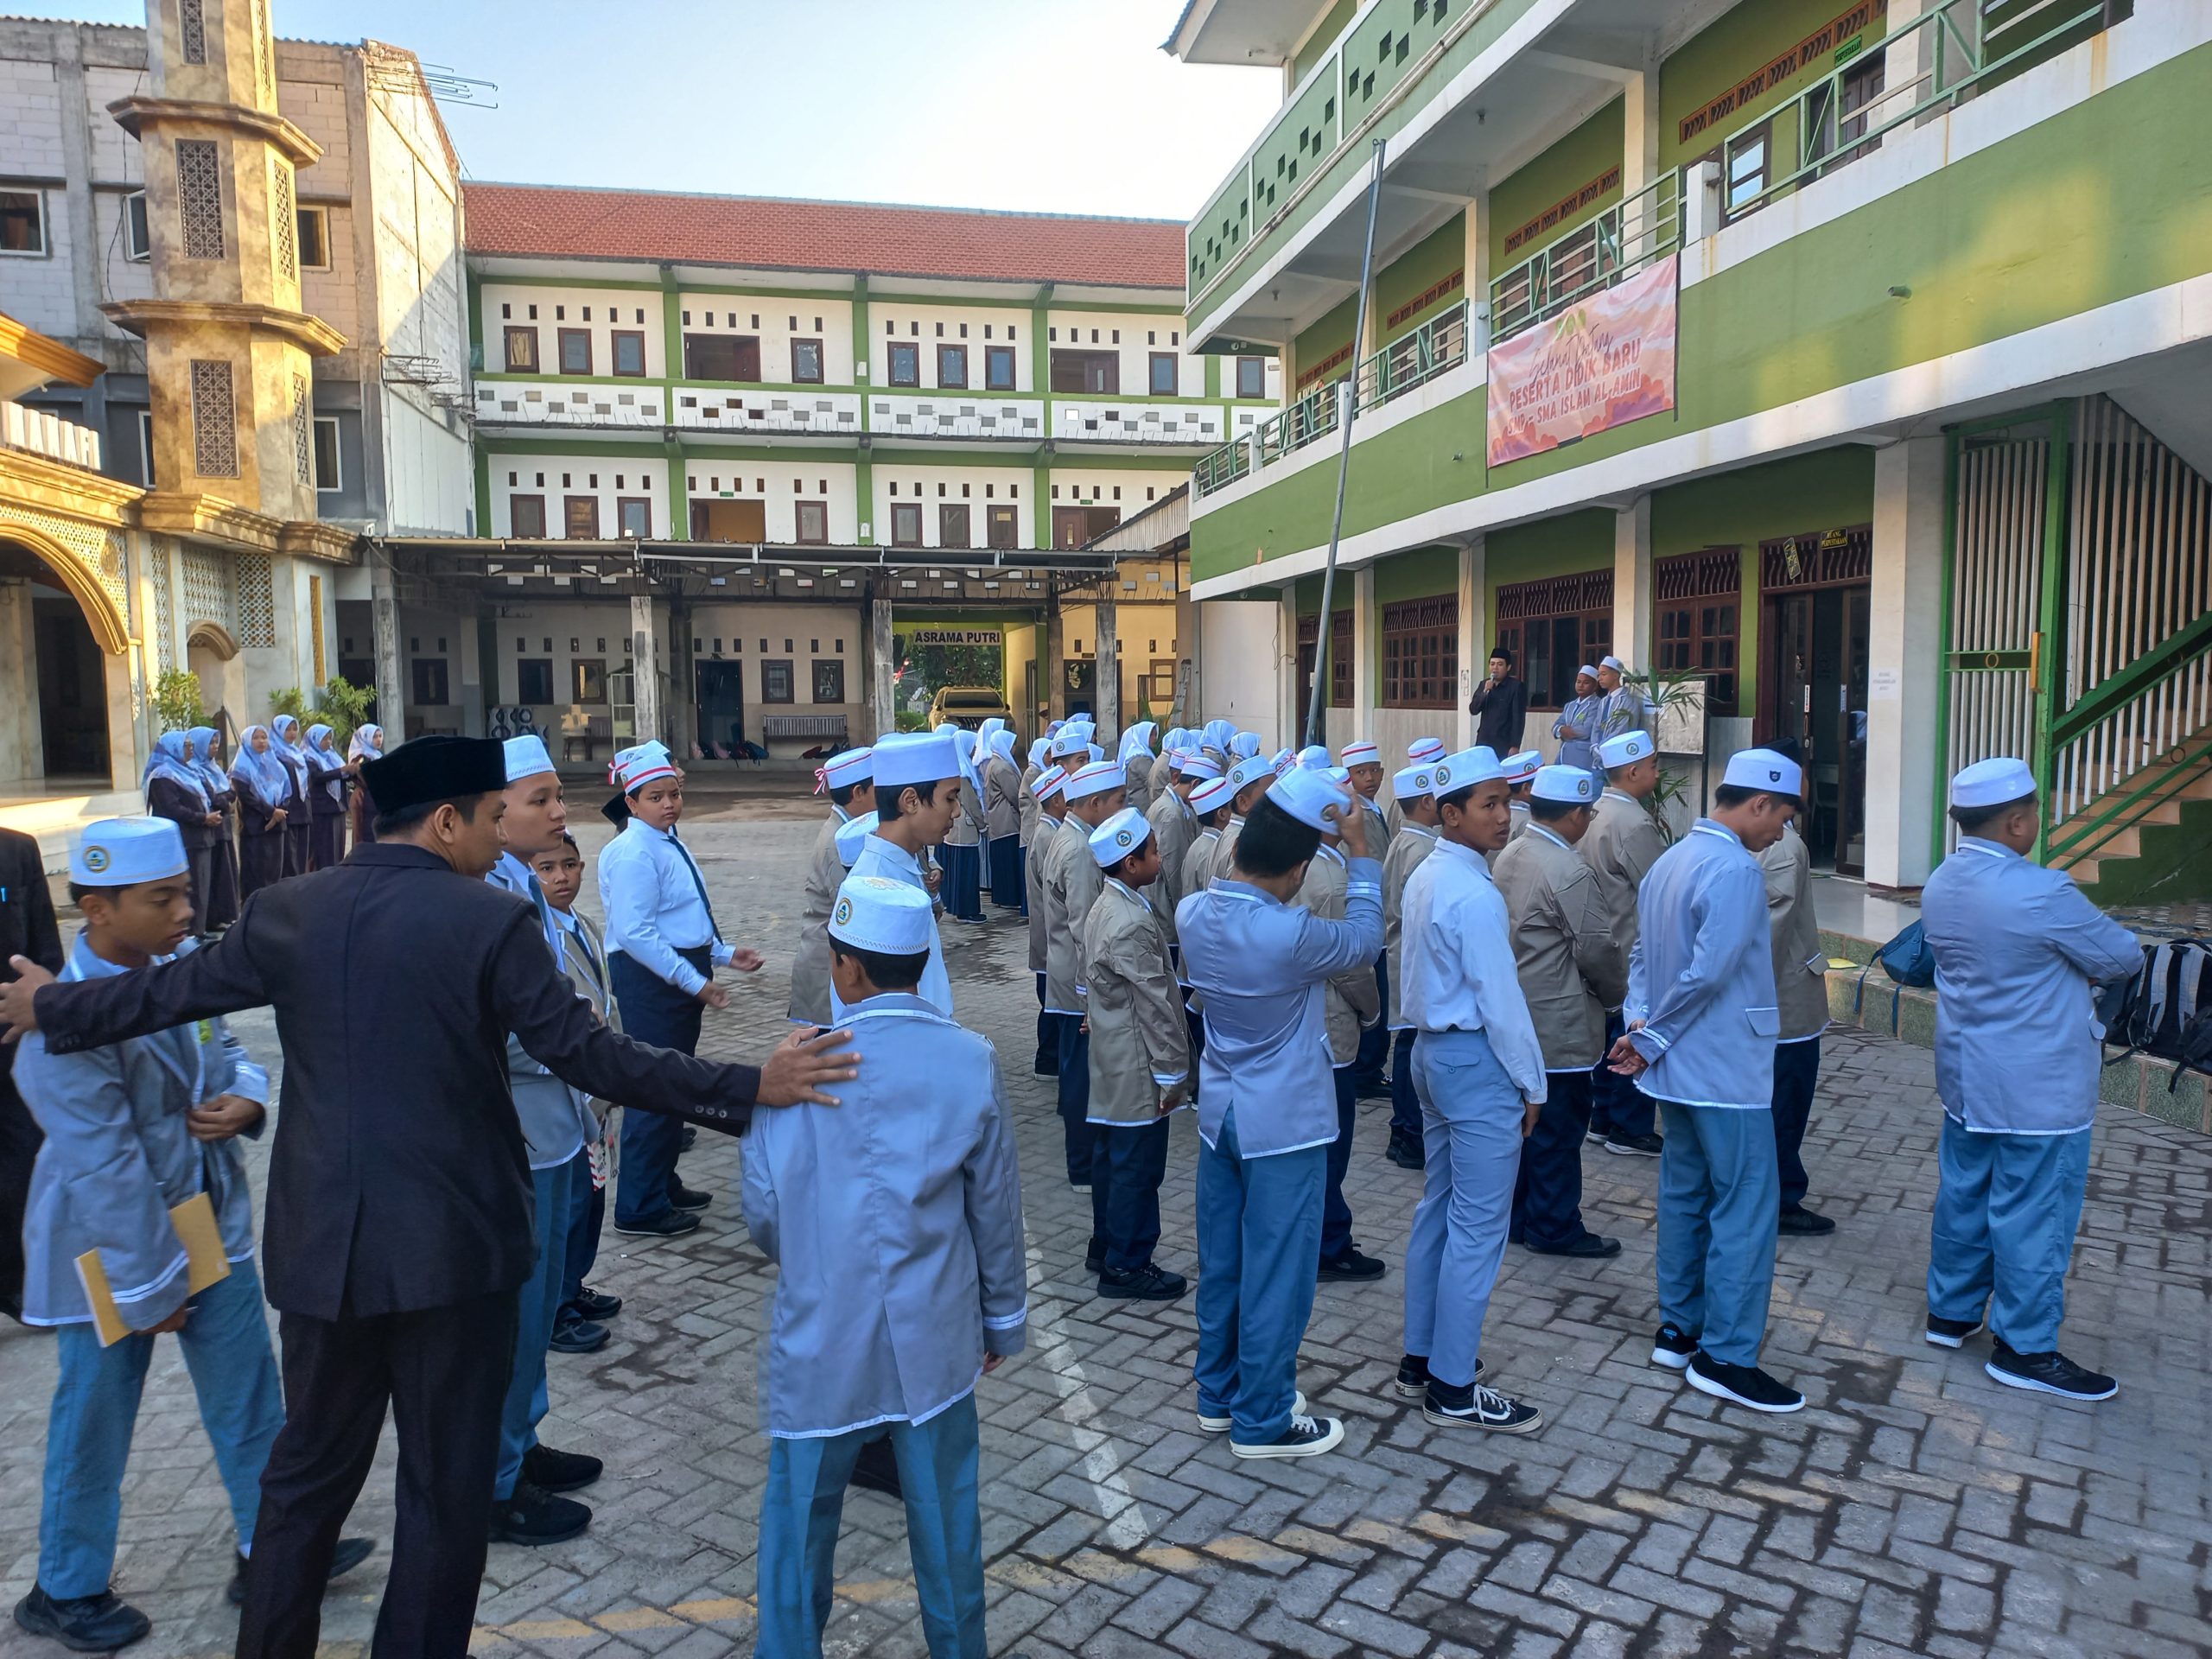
column 2165, row 1010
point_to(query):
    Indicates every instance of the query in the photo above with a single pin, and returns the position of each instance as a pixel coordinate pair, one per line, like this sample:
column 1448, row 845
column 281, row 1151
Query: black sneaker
column 2048, row 1373
column 1413, row 1376
column 1476, row 1406
column 1952, row 1334
column 1798, row 1222
column 876, row 1470
column 560, row 1471
column 686, row 1198
column 1306, row 1437
column 97, row 1624
column 1743, row 1385
column 349, row 1555
column 1673, row 1347
column 531, row 1514
column 1590, row 1246
column 1094, row 1256
column 1043, row 1067
column 689, row 1138
column 1633, row 1145
column 1407, row 1154
column 1144, row 1284
column 595, row 1304
column 1349, row 1267
column 674, row 1223
column 579, row 1337
column 1074, row 1185
column 1374, row 1089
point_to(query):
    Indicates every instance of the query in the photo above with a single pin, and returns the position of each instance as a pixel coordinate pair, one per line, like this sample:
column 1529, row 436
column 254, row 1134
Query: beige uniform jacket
column 1572, row 967
column 1800, row 965
column 1520, row 822
column 1071, row 883
column 1354, row 1000
column 1620, row 848
column 1224, row 851
column 1175, row 827
column 1033, row 880
column 825, row 874
column 1137, row 770
column 1001, row 800
column 968, row 823
column 1412, row 842
column 1139, row 1042
column 1029, row 807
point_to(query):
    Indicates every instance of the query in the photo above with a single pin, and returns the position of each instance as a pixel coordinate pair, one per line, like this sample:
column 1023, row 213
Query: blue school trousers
column 1470, row 1135
column 553, row 1196
column 2007, row 1210
column 1259, row 1228
column 1718, row 1197
column 804, row 1500
column 653, row 1011
column 1127, row 1163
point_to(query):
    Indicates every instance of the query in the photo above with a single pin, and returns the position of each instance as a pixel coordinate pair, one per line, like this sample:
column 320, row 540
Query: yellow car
column 967, row 705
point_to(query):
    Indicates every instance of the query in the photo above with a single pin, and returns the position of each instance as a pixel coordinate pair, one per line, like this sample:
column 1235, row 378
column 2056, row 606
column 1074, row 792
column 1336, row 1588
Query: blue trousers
column 1405, row 1099
column 1616, row 1104
column 964, row 880
column 1259, row 1228
column 1470, row 1124
column 804, row 1499
column 553, row 1194
column 1127, row 1163
column 1547, row 1198
column 1336, row 1214
column 1718, row 1200
column 225, row 1343
column 2007, row 1210
column 1048, row 1035
column 586, row 1215
column 1797, row 1074
column 1374, row 1041
column 1008, row 890
column 1075, row 1095
column 653, row 1011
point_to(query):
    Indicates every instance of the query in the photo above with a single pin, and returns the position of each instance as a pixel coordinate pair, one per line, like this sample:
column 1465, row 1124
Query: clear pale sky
column 1051, row 105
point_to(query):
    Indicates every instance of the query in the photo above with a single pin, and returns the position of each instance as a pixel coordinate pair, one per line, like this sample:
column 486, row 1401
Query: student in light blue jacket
column 1702, row 1025
column 895, row 1217
column 132, row 1131
column 2018, row 947
column 1268, row 1104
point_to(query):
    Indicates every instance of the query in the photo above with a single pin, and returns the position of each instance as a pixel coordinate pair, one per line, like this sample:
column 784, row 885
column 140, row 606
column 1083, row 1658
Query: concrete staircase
column 2163, row 854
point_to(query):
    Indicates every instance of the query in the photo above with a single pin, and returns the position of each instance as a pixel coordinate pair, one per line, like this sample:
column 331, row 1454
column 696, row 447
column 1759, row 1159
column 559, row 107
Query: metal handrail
column 1223, row 467
column 2086, row 837
column 1957, row 47
column 1595, row 255
column 1314, row 416
column 1413, row 359
column 2139, row 711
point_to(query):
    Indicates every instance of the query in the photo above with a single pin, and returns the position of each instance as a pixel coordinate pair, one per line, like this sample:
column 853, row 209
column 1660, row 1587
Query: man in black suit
column 1500, row 706
column 398, row 1229
column 28, row 929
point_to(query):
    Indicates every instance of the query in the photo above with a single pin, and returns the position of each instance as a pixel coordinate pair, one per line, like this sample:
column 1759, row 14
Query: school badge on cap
column 844, row 911
column 96, row 859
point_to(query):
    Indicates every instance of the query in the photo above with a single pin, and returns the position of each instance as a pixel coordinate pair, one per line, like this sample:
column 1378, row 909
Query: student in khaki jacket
column 1571, row 967
column 1353, row 1002
column 1620, row 850
column 1140, row 1060
column 1414, row 841
column 1801, row 998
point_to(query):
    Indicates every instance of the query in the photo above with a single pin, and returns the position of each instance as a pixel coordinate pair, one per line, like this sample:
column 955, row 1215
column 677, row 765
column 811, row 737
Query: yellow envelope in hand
column 205, row 1261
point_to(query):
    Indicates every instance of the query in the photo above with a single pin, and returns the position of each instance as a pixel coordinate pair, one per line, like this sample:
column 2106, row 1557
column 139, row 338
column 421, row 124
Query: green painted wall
column 1421, row 574
column 2040, row 228
column 1830, row 490
column 1323, row 37
column 1414, row 272
column 1567, row 166
column 1550, row 547
column 1321, row 341
column 1741, row 41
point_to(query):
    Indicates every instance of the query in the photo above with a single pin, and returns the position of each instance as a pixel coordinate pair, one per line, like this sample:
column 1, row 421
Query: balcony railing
column 1223, row 467
column 1595, row 255
column 1314, row 416
column 1413, row 359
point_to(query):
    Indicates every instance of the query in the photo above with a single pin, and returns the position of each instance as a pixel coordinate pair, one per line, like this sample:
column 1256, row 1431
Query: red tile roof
column 761, row 232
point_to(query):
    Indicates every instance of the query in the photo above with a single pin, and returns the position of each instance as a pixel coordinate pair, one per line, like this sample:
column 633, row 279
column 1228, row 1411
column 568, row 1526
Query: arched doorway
column 57, row 631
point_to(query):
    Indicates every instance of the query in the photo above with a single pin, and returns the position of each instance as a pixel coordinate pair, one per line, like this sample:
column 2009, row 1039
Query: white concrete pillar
column 1105, row 652
column 1363, row 675
column 1640, row 129
column 1904, row 663
column 645, row 665
column 1473, row 648
column 1475, row 259
column 1289, row 731
column 1632, row 585
column 882, row 660
column 384, row 617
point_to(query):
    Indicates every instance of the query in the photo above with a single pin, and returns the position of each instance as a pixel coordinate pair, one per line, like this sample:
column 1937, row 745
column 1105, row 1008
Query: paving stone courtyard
column 1914, row 1507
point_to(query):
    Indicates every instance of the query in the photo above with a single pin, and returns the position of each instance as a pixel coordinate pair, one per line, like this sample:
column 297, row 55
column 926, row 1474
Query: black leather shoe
column 877, row 1470
column 1798, row 1222
column 688, row 1199
column 1406, row 1154
column 674, row 1224
column 690, row 1137
column 349, row 1555
column 579, row 1337
column 1094, row 1257
column 1590, row 1246
column 1144, row 1284
column 597, row 1305
column 532, row 1516
column 1352, row 1267
column 560, row 1471
column 97, row 1624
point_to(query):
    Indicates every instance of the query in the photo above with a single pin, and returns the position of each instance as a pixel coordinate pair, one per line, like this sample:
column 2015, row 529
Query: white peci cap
column 1457, row 772
column 1997, row 782
column 1312, row 796
column 123, row 852
column 1764, row 770
column 1625, row 750
column 526, row 757
column 1410, row 782
column 1572, row 784
column 873, row 912
column 1119, row 835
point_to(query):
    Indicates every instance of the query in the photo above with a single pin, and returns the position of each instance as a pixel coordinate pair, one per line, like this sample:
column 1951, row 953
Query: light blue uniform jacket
column 118, row 1157
column 1263, row 969
column 893, row 861
column 2017, row 948
column 1701, row 975
column 895, row 1221
column 556, row 1120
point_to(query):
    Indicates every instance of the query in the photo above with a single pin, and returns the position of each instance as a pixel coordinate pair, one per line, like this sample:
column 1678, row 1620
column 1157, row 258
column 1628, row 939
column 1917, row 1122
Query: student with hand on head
column 133, row 1130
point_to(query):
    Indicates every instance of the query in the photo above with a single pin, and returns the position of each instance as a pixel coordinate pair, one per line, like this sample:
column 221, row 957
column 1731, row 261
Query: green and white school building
column 1846, row 356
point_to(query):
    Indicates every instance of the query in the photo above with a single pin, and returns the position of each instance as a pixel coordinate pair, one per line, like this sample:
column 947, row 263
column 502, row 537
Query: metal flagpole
column 1350, row 405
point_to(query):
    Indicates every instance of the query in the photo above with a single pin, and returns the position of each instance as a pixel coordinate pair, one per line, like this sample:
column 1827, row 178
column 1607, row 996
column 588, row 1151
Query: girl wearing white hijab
column 223, row 856
column 1136, row 756
column 175, row 791
column 264, row 790
column 1003, row 823
column 326, row 799
column 368, row 745
column 299, row 821
column 961, row 852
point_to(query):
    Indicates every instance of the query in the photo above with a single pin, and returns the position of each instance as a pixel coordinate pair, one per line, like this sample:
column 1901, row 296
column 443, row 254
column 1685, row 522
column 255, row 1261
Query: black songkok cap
column 435, row 768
